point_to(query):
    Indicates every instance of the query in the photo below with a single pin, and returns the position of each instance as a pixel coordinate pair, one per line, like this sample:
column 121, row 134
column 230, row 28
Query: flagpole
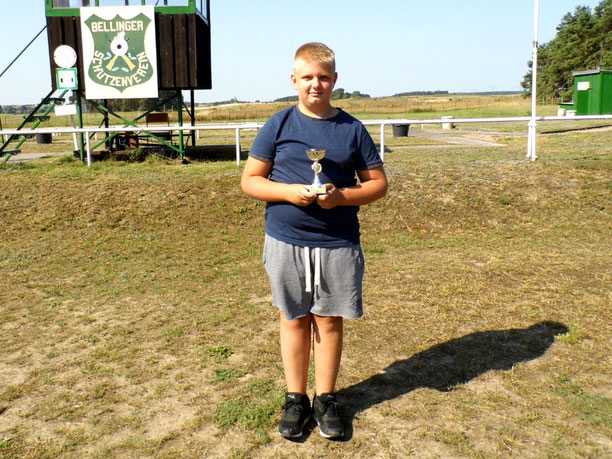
column 531, row 131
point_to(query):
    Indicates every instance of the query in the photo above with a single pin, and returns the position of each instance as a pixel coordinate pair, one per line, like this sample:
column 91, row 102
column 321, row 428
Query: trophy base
column 318, row 189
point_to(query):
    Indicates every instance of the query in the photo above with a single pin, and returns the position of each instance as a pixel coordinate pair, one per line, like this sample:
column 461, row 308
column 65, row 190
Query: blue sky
column 382, row 47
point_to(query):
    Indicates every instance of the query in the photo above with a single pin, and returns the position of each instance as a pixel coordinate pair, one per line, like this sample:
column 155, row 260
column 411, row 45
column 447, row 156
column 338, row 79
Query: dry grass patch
column 136, row 322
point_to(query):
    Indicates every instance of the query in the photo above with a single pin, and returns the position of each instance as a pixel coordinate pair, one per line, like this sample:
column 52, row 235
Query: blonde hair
column 317, row 53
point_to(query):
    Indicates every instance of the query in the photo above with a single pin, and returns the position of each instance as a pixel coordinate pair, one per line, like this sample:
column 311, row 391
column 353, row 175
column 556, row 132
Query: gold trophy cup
column 315, row 156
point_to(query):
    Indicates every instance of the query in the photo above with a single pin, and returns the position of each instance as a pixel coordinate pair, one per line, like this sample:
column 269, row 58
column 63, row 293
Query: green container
column 593, row 92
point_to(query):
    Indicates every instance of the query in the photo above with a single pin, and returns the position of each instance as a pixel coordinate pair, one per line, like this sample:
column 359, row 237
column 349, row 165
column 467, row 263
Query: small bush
column 136, row 155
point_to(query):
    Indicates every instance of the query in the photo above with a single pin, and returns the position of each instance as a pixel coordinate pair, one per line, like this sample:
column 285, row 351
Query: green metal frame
column 27, row 119
column 80, row 120
column 105, row 111
column 180, row 149
column 191, row 8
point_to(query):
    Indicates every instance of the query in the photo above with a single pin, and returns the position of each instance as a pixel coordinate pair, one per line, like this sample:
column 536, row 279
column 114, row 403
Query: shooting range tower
column 182, row 30
column 181, row 61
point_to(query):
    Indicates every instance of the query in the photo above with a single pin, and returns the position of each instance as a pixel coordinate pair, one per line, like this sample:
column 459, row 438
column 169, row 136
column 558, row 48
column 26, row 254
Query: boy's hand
column 330, row 199
column 300, row 195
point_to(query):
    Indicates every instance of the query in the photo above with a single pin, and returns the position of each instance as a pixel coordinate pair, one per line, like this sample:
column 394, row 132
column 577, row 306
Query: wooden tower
column 182, row 34
column 181, row 49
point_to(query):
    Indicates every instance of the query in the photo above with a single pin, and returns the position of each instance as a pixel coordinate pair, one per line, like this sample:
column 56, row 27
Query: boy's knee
column 328, row 323
column 328, row 319
column 298, row 323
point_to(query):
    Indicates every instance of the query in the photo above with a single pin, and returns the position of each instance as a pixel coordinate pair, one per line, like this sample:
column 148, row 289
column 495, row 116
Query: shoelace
column 292, row 405
column 330, row 408
column 317, row 267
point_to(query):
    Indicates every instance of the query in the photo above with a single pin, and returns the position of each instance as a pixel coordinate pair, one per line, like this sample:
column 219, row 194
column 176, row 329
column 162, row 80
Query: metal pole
column 193, row 139
column 80, row 121
column 74, row 134
column 22, row 51
column 237, row 146
column 88, row 150
column 179, row 97
column 106, row 123
column 531, row 132
column 382, row 141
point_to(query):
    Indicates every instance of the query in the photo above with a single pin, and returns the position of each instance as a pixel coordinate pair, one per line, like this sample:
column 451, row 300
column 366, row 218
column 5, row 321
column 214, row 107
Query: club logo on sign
column 120, row 53
column 119, row 58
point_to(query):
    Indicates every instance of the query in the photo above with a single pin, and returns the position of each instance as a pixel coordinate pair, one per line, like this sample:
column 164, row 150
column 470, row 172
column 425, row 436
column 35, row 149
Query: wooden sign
column 119, row 52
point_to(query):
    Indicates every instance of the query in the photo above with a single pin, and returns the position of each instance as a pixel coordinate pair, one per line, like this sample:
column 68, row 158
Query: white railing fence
column 257, row 125
column 516, row 119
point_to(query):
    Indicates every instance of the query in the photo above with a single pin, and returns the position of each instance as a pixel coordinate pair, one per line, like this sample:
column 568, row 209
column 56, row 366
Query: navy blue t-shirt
column 284, row 140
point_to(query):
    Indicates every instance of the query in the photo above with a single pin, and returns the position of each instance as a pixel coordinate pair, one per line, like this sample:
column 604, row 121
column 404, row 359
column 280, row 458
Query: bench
column 159, row 117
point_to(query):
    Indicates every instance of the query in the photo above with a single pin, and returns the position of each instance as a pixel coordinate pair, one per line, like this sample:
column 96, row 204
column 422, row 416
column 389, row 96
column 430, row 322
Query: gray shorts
column 329, row 284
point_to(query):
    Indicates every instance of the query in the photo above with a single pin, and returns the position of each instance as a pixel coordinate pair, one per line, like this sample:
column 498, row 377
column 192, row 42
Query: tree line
column 583, row 42
column 337, row 94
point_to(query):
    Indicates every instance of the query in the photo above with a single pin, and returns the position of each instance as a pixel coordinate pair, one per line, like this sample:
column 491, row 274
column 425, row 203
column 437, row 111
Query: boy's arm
column 373, row 185
column 255, row 183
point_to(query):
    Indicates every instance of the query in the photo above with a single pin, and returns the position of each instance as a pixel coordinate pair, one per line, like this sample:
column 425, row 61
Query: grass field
column 419, row 107
column 135, row 315
column 408, row 107
column 377, row 107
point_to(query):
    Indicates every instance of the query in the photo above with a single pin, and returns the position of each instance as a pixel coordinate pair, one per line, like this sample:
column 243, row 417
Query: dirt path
column 455, row 139
column 23, row 157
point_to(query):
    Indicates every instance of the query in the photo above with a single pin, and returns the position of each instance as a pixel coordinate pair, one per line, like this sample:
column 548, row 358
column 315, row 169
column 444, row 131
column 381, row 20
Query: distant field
column 390, row 107
column 135, row 315
column 412, row 107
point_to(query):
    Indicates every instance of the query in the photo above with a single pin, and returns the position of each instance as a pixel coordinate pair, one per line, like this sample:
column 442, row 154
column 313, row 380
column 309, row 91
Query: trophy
column 315, row 156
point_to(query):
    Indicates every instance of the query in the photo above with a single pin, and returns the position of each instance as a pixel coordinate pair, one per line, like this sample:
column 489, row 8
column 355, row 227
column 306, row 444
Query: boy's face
column 314, row 82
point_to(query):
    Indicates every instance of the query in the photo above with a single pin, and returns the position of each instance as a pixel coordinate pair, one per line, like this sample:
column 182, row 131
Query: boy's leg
column 295, row 351
column 328, row 334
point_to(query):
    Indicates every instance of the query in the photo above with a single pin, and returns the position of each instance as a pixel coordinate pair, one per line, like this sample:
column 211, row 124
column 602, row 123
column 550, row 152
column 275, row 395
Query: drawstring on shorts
column 317, row 267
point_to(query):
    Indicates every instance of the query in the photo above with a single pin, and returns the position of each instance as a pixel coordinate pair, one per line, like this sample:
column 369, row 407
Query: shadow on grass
column 198, row 153
column 449, row 364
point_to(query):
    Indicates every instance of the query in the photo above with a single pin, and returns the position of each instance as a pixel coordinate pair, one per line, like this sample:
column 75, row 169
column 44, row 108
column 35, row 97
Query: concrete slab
column 22, row 157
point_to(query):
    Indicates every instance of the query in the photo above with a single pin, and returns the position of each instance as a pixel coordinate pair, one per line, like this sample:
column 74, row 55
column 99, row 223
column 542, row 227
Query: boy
column 308, row 232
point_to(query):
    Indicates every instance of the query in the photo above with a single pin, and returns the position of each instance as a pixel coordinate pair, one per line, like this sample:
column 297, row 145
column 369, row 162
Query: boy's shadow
column 448, row 364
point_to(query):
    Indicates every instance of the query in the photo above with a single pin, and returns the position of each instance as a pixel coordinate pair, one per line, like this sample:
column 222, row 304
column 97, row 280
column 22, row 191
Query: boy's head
column 316, row 53
column 314, row 76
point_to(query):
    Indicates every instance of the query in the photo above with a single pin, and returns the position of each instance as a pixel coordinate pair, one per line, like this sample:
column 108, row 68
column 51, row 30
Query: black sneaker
column 325, row 412
column 296, row 413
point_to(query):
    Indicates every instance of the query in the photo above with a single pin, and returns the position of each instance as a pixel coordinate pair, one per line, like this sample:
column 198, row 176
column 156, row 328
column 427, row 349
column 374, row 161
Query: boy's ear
column 335, row 78
column 294, row 80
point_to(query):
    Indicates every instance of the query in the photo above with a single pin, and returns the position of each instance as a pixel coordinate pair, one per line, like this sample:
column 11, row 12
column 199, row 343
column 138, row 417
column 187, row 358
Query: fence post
column 237, row 146
column 88, row 148
column 382, row 141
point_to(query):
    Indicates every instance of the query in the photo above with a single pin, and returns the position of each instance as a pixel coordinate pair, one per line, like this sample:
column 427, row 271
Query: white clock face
column 64, row 56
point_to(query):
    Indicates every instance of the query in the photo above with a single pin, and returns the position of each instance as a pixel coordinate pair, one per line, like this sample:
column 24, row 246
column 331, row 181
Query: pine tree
column 583, row 42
